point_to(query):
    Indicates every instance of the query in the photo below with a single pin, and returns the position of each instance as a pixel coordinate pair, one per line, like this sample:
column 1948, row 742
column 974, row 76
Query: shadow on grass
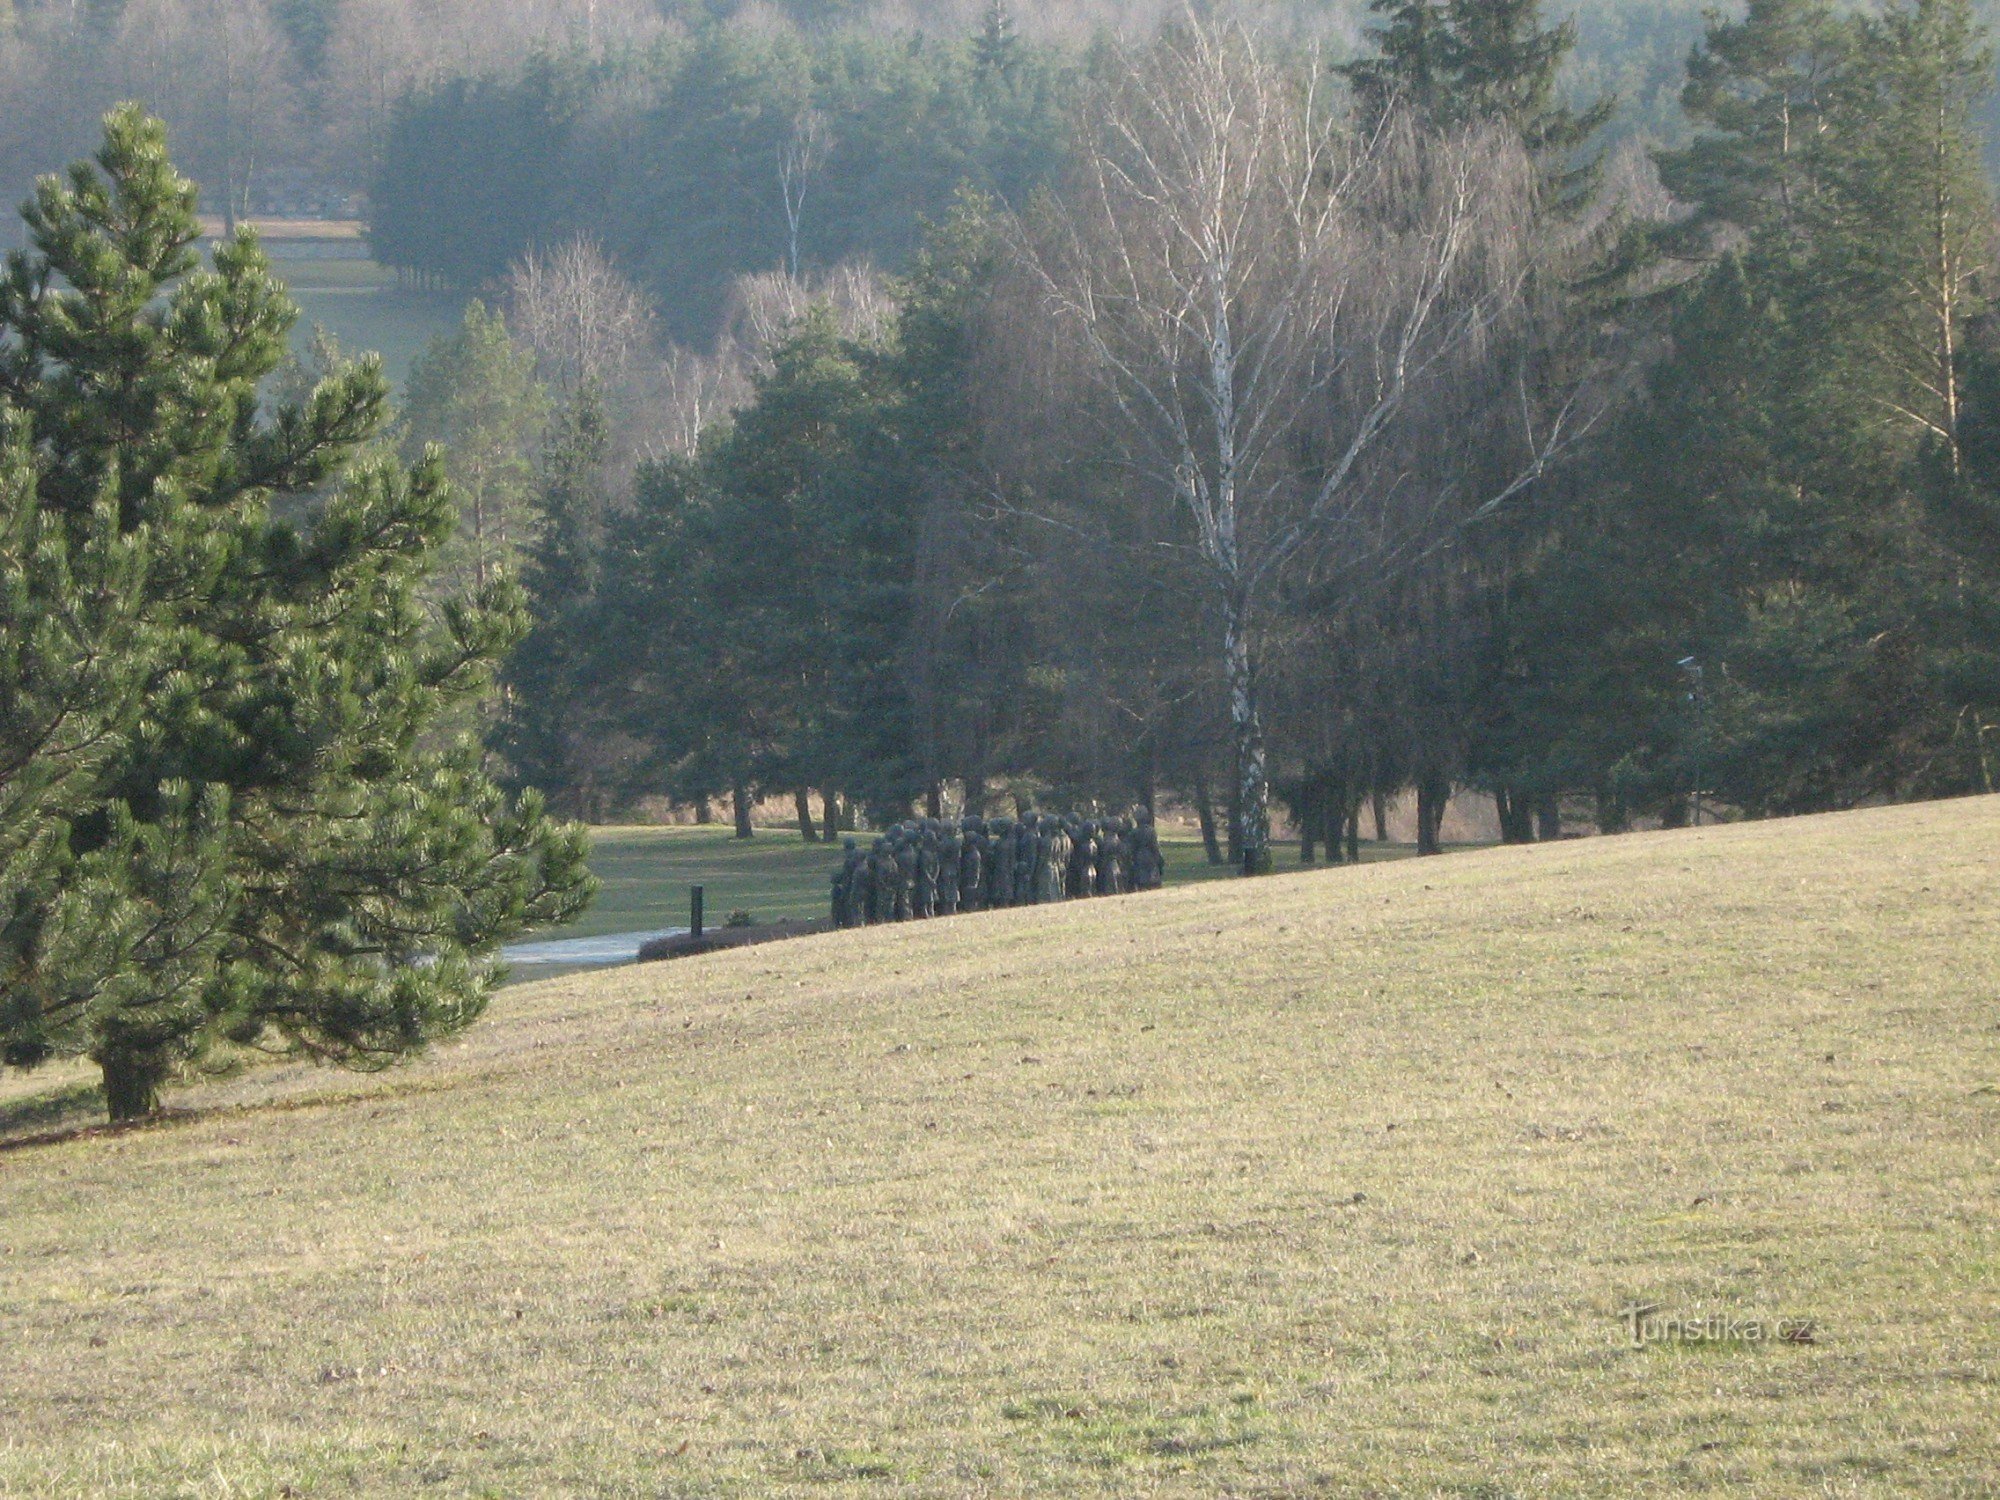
column 69, row 1105
column 75, row 1113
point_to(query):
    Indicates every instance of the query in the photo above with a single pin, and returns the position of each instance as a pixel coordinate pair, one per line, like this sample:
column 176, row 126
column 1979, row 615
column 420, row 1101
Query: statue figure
column 844, row 880
column 1052, row 863
column 951, row 870
column 1149, row 866
column 1084, row 863
column 1025, row 844
column 1000, row 877
column 884, row 885
column 1111, row 859
column 930, row 861
column 905, row 858
column 972, row 867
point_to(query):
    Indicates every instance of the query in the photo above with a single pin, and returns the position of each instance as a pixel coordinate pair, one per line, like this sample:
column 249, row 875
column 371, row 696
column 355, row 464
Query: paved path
column 615, row 948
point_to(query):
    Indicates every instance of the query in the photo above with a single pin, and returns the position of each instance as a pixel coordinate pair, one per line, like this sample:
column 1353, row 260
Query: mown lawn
column 1333, row 1183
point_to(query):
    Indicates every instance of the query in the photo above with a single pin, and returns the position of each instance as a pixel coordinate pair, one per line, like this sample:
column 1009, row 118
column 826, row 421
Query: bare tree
column 586, row 324
column 691, row 390
column 1246, row 301
column 221, row 74
column 762, row 306
column 804, row 153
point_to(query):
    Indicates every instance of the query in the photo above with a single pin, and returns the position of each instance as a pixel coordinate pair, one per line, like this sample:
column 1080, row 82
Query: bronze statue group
column 932, row 867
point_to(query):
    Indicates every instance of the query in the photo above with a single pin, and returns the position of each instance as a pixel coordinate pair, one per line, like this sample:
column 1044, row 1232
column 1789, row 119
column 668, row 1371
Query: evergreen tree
column 284, row 841
column 680, row 663
column 1409, row 66
column 1771, row 95
column 1466, row 62
column 554, row 735
column 996, row 50
column 1469, row 699
column 1793, row 505
column 475, row 393
column 796, row 550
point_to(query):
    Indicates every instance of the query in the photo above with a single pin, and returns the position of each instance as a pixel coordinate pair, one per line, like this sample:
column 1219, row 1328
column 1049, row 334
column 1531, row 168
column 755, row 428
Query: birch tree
column 1249, row 301
column 799, row 161
column 585, row 322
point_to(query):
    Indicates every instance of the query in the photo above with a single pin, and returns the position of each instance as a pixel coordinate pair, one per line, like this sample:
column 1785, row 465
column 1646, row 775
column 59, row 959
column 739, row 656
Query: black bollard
column 694, row 913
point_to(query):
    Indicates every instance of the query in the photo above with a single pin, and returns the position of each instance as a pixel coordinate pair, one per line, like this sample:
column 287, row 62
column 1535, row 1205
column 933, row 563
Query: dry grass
column 1332, row 1183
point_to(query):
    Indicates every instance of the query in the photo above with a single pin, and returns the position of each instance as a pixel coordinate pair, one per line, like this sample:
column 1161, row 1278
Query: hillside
column 1330, row 1183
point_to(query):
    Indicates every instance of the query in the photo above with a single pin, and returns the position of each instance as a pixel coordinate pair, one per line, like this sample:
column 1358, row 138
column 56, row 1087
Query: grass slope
column 1332, row 1183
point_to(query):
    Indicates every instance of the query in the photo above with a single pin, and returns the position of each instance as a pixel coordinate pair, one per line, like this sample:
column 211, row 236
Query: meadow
column 1332, row 1183
column 362, row 304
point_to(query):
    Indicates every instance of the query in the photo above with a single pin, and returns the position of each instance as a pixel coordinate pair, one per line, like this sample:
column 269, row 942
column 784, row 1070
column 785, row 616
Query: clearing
column 1328, row 1183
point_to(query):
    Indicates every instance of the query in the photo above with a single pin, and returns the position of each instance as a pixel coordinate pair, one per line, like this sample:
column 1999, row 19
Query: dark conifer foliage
column 271, row 836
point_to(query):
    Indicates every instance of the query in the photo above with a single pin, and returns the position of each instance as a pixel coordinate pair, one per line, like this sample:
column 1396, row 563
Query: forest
column 1295, row 405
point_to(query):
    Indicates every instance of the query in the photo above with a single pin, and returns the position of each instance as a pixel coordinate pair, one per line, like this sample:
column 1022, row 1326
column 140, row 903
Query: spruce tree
column 1467, row 62
column 285, row 845
column 554, row 733
column 996, row 50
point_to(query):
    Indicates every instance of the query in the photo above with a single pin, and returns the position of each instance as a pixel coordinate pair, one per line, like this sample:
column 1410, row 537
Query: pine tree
column 1771, row 95
column 1913, row 238
column 1802, row 502
column 284, row 845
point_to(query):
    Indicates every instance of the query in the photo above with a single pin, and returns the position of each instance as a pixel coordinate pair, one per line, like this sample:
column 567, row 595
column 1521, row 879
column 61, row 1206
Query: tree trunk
column 703, row 813
column 1612, row 815
column 1309, row 820
column 934, row 800
column 1516, row 816
column 975, row 796
column 1549, row 817
column 1433, row 791
column 1381, row 811
column 1334, row 806
column 1204, row 812
column 802, row 805
column 1253, row 791
column 132, row 1082
column 830, row 825
column 1354, row 832
column 739, row 797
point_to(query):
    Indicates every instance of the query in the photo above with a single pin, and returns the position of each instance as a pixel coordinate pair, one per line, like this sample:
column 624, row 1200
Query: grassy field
column 1334, row 1183
column 361, row 303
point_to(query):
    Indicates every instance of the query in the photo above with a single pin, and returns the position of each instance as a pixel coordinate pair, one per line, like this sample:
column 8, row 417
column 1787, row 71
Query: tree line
column 1330, row 430
column 311, row 105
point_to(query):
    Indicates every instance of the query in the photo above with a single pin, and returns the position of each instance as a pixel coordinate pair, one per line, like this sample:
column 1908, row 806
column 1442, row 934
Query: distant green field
column 361, row 304
column 647, row 873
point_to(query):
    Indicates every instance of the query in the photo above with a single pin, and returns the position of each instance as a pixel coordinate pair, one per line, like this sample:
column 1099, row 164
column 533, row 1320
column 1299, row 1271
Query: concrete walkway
column 615, row 948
